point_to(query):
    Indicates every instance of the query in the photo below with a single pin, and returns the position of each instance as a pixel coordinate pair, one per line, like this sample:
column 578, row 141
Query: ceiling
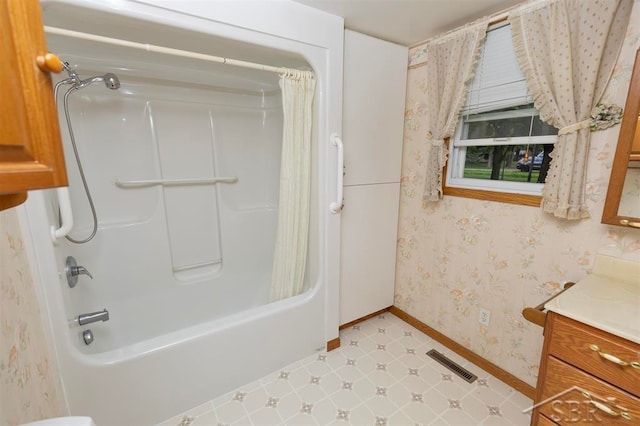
column 407, row 22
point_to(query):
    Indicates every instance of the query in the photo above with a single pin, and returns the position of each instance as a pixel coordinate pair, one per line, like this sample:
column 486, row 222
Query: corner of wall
column 29, row 383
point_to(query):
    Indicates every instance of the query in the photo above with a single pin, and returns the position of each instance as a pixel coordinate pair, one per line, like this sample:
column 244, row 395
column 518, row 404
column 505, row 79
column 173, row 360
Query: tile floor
column 379, row 376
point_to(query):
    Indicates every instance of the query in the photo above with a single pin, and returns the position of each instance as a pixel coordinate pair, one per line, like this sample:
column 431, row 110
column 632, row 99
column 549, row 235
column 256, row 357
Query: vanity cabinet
column 583, row 379
column 31, row 155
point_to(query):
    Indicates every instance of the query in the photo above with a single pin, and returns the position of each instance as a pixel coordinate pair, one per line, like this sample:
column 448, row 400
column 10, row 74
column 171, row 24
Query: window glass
column 500, row 144
column 516, row 121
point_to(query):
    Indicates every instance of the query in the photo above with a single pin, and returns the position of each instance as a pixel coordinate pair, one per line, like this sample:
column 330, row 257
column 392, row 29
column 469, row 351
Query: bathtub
column 184, row 271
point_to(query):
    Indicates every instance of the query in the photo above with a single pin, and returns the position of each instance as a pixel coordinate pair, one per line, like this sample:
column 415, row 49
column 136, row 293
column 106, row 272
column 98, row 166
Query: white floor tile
column 514, row 413
column 289, row 406
column 301, row 420
column 266, row 416
column 253, row 400
column 380, row 376
column 381, row 406
column 245, row 421
column 208, row 419
column 364, row 388
column 324, row 412
column 521, row 400
column 345, row 399
column 452, row 390
column 419, row 412
column 318, row 368
column 400, row 419
column 230, row 412
column 361, row 415
column 311, row 393
column 278, row 387
column 437, row 402
column 297, row 378
column 188, row 417
column 458, row 417
column 474, row 407
column 399, row 394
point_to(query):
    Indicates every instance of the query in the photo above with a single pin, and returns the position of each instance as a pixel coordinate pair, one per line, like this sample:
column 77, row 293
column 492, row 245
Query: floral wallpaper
column 29, row 386
column 459, row 255
column 454, row 257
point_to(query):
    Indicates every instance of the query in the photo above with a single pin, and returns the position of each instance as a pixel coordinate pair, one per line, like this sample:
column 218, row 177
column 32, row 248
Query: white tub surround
column 183, row 162
column 607, row 299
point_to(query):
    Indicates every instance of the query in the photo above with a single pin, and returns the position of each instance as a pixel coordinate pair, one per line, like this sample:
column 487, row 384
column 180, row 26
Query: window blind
column 498, row 81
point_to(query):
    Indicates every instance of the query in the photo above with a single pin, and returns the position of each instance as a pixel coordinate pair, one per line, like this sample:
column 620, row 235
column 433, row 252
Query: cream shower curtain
column 450, row 61
column 298, row 88
column 567, row 50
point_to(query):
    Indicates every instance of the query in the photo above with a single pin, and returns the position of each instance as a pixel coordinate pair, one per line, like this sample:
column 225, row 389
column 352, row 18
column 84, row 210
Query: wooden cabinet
column 635, row 145
column 586, row 376
column 31, row 155
column 626, row 157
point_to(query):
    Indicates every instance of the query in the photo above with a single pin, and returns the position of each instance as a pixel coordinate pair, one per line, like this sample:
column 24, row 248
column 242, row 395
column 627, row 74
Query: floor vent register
column 455, row 368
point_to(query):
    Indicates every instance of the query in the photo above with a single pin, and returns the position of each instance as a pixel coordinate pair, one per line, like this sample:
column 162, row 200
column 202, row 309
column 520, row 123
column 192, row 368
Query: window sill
column 502, row 197
column 487, row 195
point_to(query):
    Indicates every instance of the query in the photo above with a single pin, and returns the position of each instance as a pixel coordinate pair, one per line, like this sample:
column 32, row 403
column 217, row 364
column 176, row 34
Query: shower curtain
column 298, row 88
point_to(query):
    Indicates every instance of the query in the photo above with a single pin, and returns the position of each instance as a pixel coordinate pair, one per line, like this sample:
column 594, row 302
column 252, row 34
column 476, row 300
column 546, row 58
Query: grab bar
column 169, row 182
column 336, row 207
column 66, row 216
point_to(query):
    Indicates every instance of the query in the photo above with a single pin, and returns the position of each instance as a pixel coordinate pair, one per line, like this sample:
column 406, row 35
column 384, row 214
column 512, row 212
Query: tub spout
column 93, row 317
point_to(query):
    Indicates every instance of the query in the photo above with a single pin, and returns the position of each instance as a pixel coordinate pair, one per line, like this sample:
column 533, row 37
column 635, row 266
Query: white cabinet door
column 375, row 75
column 369, row 232
column 375, row 79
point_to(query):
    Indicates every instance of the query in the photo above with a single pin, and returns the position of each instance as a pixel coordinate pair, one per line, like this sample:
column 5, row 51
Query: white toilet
column 63, row 421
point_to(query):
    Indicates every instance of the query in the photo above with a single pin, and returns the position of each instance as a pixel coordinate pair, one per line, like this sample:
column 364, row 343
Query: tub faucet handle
column 73, row 270
column 81, row 270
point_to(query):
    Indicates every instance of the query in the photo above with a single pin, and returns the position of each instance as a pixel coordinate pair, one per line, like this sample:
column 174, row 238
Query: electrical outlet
column 485, row 317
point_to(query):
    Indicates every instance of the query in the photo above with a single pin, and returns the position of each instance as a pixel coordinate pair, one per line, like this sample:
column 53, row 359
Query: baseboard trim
column 333, row 344
column 364, row 318
column 508, row 378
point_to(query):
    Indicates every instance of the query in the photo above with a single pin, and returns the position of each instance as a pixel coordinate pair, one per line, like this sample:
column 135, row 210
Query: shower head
column 110, row 80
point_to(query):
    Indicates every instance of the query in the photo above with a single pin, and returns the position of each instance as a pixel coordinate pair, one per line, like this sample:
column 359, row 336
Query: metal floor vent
column 458, row 370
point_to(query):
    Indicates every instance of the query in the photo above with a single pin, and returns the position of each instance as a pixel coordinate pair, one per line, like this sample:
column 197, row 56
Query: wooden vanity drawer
column 544, row 421
column 572, row 341
column 571, row 406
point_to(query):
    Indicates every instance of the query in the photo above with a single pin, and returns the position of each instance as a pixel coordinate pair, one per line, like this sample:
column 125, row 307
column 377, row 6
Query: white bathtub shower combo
column 182, row 163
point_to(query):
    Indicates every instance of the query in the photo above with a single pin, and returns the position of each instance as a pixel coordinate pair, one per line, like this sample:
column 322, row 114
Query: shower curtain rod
column 176, row 52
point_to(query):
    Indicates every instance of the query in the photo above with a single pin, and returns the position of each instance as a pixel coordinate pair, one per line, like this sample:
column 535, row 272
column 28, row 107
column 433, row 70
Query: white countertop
column 608, row 298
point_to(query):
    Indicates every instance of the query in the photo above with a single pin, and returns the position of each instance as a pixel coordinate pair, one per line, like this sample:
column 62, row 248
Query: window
column 500, row 144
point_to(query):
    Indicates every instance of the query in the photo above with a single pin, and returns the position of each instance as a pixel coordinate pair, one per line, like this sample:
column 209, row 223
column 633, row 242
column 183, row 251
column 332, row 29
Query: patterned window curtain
column 287, row 277
column 450, row 61
column 567, row 50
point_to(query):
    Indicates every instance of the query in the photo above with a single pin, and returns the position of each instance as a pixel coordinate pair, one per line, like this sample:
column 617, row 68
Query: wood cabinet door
column 31, row 155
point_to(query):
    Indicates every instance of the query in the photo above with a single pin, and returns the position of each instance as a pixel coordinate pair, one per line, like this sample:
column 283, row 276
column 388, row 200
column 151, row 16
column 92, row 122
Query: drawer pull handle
column 602, row 407
column 614, row 359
